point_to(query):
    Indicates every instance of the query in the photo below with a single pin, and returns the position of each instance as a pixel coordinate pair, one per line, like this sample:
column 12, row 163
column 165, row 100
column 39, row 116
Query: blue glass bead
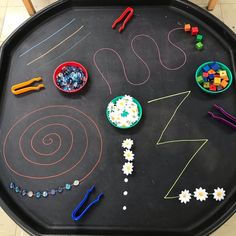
column 24, row 192
column 53, row 192
column 12, row 185
column 60, row 190
column 45, row 193
column 38, row 195
column 70, row 78
column 17, row 189
column 68, row 187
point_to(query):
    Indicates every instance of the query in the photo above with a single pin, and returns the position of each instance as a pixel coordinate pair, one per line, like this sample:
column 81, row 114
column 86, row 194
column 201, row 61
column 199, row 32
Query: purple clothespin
column 231, row 122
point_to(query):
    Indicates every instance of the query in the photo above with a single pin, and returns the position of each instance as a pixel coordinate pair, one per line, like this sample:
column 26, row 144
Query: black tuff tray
column 30, row 52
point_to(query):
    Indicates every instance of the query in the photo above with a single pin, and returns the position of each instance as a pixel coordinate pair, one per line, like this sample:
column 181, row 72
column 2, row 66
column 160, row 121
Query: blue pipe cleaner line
column 47, row 38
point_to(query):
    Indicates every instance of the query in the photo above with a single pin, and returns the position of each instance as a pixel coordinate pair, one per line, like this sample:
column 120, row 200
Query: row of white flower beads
column 129, row 156
column 124, row 113
column 201, row 195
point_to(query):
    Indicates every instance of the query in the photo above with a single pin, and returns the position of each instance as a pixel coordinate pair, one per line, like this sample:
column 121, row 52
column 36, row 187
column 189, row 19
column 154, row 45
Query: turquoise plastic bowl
column 140, row 111
column 224, row 67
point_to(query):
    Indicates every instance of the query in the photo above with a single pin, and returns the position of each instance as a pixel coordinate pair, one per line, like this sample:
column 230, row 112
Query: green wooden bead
column 199, row 38
column 200, row 79
column 199, row 46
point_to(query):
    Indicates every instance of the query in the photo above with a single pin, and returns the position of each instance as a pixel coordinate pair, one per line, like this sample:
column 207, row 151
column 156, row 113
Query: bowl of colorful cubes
column 213, row 77
column 70, row 77
column 124, row 112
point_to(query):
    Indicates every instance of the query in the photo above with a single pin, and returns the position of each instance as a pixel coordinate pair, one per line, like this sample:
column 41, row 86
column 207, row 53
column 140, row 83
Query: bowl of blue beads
column 70, row 77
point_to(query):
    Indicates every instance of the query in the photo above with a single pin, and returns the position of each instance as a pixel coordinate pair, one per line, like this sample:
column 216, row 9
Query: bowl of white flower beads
column 124, row 112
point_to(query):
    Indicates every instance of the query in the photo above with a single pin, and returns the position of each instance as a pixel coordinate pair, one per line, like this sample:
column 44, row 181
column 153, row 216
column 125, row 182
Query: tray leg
column 211, row 5
column 29, row 6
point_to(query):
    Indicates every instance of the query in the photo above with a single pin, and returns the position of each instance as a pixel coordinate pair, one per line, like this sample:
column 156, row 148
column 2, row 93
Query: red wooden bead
column 194, row 31
column 212, row 87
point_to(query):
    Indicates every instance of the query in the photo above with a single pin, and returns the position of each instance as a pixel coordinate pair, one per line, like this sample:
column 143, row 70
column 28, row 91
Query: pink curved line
column 68, row 170
column 137, row 55
column 50, row 140
column 123, row 66
column 67, row 153
column 49, row 143
column 63, row 157
column 94, row 61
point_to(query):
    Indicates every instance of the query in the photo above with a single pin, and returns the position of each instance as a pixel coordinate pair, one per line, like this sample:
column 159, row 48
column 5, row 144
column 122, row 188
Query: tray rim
column 183, row 5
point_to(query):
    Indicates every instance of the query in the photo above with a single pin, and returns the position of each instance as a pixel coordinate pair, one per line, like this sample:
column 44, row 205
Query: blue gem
column 53, row 192
column 38, row 195
column 70, row 78
column 215, row 66
column 60, row 190
column 211, row 76
column 24, row 192
column 206, row 68
column 45, row 193
column 12, row 185
column 68, row 187
column 17, row 189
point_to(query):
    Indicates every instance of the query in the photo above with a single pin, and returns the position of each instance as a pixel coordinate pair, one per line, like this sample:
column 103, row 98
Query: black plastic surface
column 156, row 167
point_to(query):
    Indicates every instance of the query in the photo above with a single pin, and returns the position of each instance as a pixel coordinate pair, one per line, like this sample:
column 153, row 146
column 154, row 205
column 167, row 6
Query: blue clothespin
column 76, row 215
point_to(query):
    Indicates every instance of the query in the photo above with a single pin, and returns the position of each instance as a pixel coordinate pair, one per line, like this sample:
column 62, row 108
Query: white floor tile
column 15, row 3
column 229, row 15
column 227, row 1
column 52, row 1
column 13, row 18
column 200, row 2
column 20, row 232
column 2, row 16
column 216, row 12
column 3, row 3
column 7, row 225
column 40, row 2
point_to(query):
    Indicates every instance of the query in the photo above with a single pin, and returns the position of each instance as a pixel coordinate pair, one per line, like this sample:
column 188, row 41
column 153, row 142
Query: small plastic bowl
column 140, row 112
column 223, row 67
column 74, row 64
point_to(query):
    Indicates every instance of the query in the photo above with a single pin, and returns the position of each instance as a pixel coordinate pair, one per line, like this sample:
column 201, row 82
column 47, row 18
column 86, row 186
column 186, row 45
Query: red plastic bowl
column 69, row 63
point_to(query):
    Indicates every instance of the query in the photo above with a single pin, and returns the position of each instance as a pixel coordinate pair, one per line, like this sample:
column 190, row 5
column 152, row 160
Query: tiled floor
column 13, row 13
